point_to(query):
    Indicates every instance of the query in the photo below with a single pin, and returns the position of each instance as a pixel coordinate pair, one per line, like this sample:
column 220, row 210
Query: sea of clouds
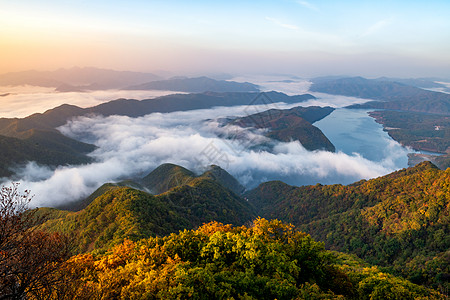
column 133, row 147
column 22, row 101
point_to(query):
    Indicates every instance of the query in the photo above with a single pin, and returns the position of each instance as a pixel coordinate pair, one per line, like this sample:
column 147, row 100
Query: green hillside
column 16, row 152
column 87, row 78
column 221, row 176
column 399, row 221
column 168, row 176
column 122, row 212
column 417, row 130
column 125, row 237
column 35, row 139
column 83, row 203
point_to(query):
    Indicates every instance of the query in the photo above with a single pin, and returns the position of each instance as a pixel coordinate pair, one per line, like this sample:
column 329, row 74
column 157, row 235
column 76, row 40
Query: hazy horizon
column 304, row 38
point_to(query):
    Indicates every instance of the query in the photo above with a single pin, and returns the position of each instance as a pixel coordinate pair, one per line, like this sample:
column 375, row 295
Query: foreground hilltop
column 399, row 221
column 181, row 201
column 264, row 260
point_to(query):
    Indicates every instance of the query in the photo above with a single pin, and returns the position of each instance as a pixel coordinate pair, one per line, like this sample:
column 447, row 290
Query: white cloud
column 288, row 85
column 335, row 101
column 281, row 24
column 308, row 5
column 23, row 101
column 377, row 27
column 130, row 147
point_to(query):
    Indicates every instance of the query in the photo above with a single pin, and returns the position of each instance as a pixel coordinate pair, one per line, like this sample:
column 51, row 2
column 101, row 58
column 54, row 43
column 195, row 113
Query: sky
column 306, row 38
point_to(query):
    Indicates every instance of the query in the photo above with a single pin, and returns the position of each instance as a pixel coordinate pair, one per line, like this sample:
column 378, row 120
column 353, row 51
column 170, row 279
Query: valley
column 374, row 219
column 215, row 185
column 414, row 117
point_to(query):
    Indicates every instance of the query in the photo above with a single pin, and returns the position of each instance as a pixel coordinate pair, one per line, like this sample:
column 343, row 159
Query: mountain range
column 388, row 94
column 39, row 130
column 177, row 234
column 423, row 83
column 76, row 79
column 398, row 221
column 184, row 201
column 91, row 79
column 196, row 85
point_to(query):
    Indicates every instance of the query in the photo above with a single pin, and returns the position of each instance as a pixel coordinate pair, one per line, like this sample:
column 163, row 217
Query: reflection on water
column 354, row 131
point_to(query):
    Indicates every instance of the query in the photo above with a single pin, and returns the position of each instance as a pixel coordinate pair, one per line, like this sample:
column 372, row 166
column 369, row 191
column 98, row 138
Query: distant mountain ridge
column 389, row 95
column 77, row 78
column 39, row 128
column 423, row 83
column 90, row 79
column 58, row 116
column 197, row 85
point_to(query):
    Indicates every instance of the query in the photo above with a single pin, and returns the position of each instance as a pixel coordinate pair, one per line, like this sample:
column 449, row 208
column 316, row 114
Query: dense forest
column 399, row 221
column 419, row 131
column 424, row 132
column 123, row 242
column 265, row 260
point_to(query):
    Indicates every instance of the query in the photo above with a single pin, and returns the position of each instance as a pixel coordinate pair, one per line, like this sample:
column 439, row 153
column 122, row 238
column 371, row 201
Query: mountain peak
column 223, row 177
column 166, row 177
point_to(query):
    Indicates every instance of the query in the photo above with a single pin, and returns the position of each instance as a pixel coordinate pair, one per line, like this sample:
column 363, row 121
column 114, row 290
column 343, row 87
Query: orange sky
column 400, row 38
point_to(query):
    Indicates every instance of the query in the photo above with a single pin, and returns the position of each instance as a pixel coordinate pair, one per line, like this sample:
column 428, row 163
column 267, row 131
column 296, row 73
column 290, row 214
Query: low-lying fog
column 22, row 101
column 132, row 147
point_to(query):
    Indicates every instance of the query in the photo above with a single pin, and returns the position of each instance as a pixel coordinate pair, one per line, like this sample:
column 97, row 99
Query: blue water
column 354, row 131
column 428, row 152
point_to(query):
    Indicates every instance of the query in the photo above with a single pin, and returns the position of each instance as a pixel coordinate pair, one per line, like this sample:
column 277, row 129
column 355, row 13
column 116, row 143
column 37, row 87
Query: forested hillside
column 119, row 212
column 264, row 260
column 16, row 152
column 126, row 244
column 419, row 131
column 399, row 221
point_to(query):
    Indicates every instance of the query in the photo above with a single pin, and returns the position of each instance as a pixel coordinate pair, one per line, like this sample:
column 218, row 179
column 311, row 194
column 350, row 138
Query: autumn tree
column 29, row 258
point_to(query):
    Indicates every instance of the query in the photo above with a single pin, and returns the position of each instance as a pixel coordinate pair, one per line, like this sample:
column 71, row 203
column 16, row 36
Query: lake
column 354, row 131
